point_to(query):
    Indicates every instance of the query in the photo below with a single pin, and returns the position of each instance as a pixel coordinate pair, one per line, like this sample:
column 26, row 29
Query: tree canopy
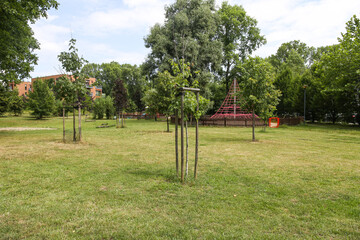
column 17, row 44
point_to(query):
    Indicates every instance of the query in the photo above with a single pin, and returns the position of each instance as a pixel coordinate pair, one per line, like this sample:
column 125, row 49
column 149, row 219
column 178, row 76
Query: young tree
column 257, row 88
column 4, row 100
column 99, row 108
column 72, row 64
column 120, row 100
column 64, row 92
column 16, row 103
column 41, row 100
column 109, row 107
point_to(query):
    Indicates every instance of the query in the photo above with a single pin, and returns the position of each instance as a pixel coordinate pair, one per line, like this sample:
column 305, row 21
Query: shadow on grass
column 151, row 131
column 168, row 176
column 32, row 118
column 227, row 139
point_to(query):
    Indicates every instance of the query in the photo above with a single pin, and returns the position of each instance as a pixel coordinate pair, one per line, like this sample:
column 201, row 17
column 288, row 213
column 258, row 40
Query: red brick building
column 94, row 91
column 24, row 88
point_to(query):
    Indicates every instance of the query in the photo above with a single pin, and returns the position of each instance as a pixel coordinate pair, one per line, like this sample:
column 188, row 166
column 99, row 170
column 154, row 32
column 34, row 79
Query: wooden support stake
column 79, row 109
column 182, row 137
column 197, row 138
column 176, row 142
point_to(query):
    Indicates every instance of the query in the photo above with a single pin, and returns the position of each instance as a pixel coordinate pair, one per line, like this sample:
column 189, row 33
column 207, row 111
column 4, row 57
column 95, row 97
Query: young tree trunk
column 253, row 125
column 122, row 119
column 176, row 142
column 118, row 120
column 167, row 123
column 187, row 149
column 64, row 139
column 79, row 110
column 74, row 128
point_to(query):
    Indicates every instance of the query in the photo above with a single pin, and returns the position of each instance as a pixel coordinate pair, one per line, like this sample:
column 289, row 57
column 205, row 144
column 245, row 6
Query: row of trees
column 214, row 45
column 329, row 75
column 217, row 44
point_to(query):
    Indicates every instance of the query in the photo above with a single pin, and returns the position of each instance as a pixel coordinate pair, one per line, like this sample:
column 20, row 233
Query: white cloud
column 111, row 30
column 136, row 16
column 101, row 53
column 316, row 23
column 50, row 36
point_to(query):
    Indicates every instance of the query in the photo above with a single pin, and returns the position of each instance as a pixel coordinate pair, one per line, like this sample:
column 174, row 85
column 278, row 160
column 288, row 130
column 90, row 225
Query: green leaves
column 257, row 86
column 41, row 100
column 17, row 43
column 73, row 91
column 188, row 33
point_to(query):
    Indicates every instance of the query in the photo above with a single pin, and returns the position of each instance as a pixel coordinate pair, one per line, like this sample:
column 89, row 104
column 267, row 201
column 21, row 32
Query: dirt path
column 24, row 129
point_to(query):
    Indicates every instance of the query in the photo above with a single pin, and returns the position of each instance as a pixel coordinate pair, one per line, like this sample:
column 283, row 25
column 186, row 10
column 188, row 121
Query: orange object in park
column 274, row 122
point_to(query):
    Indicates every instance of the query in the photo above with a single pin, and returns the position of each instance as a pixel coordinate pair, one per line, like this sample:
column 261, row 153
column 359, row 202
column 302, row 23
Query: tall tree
column 17, row 43
column 120, row 97
column 239, row 36
column 41, row 100
column 72, row 64
column 257, row 88
column 189, row 34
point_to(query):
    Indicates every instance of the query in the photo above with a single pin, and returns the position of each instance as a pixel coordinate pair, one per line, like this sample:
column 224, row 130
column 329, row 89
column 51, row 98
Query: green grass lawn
column 294, row 183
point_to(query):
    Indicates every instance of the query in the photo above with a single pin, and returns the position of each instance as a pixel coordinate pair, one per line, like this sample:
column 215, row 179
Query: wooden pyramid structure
column 231, row 107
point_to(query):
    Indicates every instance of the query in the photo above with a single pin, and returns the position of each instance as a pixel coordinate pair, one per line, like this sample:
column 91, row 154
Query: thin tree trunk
column 74, row 128
column 182, row 137
column 253, row 125
column 176, row 142
column 196, row 137
column 118, row 120
column 187, row 149
column 167, row 123
column 122, row 119
column 64, row 139
column 79, row 110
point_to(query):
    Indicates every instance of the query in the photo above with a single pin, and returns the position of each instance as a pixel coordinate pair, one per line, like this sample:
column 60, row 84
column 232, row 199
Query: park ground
column 298, row 182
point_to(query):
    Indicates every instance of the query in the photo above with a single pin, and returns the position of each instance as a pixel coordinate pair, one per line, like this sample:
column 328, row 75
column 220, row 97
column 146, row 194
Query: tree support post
column 79, row 109
column 176, row 142
column 74, row 128
column 197, row 137
column 182, row 93
column 182, row 136
column 64, row 139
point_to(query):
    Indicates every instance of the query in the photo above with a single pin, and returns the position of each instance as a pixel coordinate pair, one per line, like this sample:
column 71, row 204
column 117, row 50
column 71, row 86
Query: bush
column 99, row 108
column 41, row 100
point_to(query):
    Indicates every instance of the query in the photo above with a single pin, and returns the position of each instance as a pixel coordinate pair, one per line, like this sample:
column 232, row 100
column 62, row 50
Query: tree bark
column 79, row 110
column 253, row 125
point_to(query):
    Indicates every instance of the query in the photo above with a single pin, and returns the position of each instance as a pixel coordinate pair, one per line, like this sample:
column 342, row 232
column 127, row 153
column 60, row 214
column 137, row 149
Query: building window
column 25, row 87
column 98, row 93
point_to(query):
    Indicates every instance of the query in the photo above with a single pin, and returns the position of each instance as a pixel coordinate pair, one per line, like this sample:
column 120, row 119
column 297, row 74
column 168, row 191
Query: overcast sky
column 113, row 30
